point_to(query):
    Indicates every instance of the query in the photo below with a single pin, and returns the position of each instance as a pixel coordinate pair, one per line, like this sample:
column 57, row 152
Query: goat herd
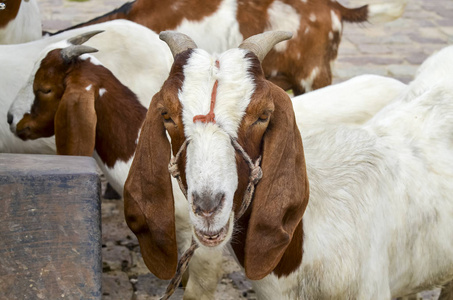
column 345, row 192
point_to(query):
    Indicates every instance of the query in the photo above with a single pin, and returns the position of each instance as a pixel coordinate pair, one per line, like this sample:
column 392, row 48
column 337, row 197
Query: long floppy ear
column 148, row 197
column 75, row 123
column 274, row 234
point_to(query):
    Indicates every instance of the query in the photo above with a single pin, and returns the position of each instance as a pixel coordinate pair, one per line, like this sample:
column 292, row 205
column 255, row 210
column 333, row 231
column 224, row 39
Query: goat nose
column 9, row 118
column 206, row 205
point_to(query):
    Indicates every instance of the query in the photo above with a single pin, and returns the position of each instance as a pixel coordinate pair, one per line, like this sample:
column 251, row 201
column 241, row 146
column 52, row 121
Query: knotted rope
column 255, row 175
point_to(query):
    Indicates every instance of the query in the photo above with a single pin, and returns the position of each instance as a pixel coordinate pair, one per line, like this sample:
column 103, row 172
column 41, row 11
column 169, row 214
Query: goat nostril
column 9, row 118
column 206, row 205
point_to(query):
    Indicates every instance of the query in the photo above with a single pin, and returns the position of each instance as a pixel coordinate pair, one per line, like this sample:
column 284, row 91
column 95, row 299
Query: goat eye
column 262, row 118
column 166, row 116
column 45, row 91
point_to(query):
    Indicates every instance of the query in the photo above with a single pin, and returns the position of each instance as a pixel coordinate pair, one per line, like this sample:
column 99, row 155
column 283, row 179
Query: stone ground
column 394, row 49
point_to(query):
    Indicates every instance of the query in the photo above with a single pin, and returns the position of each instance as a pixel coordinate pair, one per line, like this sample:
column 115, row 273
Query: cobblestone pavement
column 394, row 49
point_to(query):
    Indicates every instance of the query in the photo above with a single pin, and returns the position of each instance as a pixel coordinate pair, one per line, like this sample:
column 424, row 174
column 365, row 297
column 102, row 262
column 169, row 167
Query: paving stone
column 116, row 286
column 116, row 258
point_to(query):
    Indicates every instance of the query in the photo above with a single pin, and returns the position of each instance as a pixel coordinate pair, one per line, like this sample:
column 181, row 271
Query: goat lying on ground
column 301, row 64
column 132, row 52
column 92, row 113
column 20, row 21
column 379, row 220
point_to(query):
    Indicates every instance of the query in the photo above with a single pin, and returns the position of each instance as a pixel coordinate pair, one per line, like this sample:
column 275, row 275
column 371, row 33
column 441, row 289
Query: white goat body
column 24, row 27
column 132, row 52
column 353, row 101
column 378, row 224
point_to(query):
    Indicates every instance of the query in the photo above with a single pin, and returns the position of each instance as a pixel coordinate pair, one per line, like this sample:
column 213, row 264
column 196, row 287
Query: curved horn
column 177, row 42
column 72, row 52
column 82, row 38
column 261, row 44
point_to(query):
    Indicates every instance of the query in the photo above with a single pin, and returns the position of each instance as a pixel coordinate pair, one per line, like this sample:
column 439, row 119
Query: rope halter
column 255, row 175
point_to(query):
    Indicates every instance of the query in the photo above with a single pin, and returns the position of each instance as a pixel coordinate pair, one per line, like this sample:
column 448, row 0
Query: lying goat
column 302, row 64
column 20, row 21
column 379, row 220
column 133, row 53
column 91, row 113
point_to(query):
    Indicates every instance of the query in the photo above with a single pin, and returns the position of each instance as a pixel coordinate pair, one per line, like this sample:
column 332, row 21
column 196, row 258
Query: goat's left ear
column 274, row 235
column 75, row 122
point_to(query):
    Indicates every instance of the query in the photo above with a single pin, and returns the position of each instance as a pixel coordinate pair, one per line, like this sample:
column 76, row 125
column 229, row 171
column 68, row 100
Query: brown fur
column 161, row 15
column 148, row 197
column 304, row 52
column 282, row 194
column 10, row 12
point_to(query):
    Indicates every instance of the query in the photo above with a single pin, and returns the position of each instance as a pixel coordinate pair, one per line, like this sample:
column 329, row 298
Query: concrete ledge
column 50, row 227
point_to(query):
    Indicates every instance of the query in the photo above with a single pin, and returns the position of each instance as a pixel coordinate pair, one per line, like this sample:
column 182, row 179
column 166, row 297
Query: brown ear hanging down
column 280, row 198
column 75, row 122
column 148, row 197
column 75, row 119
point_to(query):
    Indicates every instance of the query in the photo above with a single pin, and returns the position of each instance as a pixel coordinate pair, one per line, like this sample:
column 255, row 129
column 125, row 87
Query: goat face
column 46, row 88
column 49, row 99
column 259, row 116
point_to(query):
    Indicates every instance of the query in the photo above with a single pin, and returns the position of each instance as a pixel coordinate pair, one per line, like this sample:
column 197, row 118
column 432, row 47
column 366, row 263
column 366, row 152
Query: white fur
column 312, row 17
column 282, row 17
column 336, row 23
column 210, row 151
column 102, row 91
column 25, row 27
column 351, row 102
column 307, row 83
column 217, row 32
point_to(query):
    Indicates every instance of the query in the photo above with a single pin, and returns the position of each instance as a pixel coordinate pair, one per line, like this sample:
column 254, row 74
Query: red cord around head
column 210, row 116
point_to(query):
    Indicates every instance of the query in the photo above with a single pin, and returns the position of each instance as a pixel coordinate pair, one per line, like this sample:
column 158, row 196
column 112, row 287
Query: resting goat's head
column 34, row 112
column 246, row 108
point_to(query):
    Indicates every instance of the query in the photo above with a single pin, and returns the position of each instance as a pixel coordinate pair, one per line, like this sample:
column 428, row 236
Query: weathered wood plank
column 50, row 228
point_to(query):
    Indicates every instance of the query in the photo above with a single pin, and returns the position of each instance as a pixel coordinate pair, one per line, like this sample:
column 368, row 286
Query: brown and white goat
column 301, row 64
column 20, row 21
column 92, row 113
column 379, row 221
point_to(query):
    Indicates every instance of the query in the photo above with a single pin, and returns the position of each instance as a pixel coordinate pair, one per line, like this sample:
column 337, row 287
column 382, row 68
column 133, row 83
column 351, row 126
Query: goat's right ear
column 75, row 122
column 148, row 197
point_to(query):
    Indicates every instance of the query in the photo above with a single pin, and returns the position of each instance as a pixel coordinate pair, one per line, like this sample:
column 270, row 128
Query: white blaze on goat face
column 211, row 159
column 25, row 97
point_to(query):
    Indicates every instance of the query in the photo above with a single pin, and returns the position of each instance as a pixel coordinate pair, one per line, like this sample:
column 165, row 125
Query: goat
column 379, row 220
column 92, row 113
column 41, row 123
column 301, row 64
column 20, row 21
column 132, row 52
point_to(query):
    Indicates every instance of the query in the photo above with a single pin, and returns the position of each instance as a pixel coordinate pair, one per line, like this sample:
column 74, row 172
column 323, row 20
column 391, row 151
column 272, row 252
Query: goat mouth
column 212, row 238
column 23, row 133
